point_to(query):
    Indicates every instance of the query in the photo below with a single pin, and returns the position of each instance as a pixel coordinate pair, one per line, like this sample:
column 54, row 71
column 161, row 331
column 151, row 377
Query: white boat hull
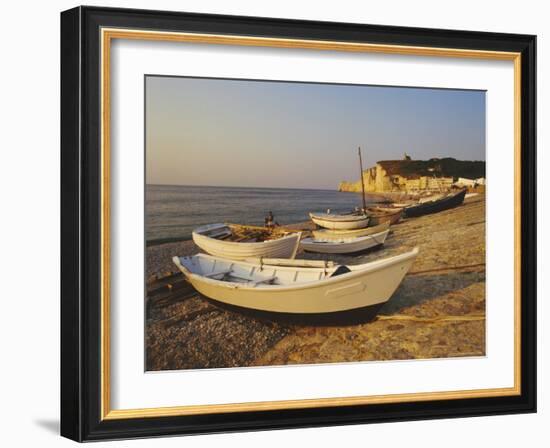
column 295, row 290
column 284, row 247
column 344, row 245
column 327, row 234
column 339, row 222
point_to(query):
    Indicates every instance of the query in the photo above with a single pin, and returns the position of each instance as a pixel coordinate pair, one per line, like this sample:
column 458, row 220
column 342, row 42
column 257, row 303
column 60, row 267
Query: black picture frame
column 81, row 224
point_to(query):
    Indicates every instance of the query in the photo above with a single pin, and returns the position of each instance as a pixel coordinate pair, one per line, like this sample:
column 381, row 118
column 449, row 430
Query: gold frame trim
column 107, row 35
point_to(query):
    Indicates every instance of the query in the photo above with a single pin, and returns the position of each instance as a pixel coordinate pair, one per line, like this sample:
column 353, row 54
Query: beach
column 437, row 311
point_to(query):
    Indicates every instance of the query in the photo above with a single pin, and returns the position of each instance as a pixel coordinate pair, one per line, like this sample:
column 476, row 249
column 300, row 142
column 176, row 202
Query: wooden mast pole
column 362, row 181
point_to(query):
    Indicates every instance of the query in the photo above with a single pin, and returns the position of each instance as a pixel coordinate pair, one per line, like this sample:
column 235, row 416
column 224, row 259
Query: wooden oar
column 292, row 263
column 264, row 229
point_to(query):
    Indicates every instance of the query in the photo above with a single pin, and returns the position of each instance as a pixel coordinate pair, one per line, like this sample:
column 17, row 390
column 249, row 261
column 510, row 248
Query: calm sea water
column 172, row 212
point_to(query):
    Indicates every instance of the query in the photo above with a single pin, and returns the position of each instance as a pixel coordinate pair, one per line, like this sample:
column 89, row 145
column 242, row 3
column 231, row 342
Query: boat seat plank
column 263, row 280
column 214, row 274
column 223, row 234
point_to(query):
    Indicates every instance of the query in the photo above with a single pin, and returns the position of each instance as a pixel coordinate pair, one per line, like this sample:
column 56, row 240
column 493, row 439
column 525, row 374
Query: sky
column 244, row 133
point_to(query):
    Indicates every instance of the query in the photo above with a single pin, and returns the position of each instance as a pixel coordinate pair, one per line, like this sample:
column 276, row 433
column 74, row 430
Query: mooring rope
column 448, row 268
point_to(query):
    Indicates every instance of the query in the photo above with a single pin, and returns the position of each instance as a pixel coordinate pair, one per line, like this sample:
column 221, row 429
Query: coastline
column 438, row 311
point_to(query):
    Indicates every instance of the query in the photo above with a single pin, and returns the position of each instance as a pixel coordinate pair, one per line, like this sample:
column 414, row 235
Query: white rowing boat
column 344, row 245
column 210, row 239
column 327, row 234
column 340, row 222
column 323, row 294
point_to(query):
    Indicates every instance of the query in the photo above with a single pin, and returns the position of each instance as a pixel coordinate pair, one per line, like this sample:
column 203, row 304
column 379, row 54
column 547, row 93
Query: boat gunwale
column 343, row 232
column 352, row 239
column 333, row 218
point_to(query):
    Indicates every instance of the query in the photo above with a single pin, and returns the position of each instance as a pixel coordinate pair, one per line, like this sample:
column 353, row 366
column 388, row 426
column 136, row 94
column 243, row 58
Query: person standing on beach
column 269, row 220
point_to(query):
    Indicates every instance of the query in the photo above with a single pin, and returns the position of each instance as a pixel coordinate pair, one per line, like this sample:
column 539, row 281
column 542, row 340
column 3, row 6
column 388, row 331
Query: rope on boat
column 465, row 318
column 448, row 268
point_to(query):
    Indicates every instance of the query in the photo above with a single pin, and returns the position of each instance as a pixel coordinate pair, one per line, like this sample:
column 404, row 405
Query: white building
column 465, row 182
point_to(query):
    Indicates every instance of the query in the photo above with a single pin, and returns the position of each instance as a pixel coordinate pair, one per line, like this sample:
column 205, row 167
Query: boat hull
column 345, row 245
column 364, row 286
column 340, row 222
column 378, row 217
column 284, row 247
column 339, row 234
column 439, row 205
column 353, row 316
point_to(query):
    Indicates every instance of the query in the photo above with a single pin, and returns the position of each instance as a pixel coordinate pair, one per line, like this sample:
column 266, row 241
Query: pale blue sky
column 299, row 135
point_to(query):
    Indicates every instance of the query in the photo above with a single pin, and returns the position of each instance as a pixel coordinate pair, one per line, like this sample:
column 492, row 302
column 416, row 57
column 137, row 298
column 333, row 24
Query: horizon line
column 236, row 186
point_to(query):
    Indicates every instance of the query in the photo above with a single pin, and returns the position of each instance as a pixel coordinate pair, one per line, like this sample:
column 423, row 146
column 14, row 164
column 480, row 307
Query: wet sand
column 438, row 310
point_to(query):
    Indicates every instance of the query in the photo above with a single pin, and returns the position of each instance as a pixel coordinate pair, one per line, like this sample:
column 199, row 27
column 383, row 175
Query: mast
column 362, row 180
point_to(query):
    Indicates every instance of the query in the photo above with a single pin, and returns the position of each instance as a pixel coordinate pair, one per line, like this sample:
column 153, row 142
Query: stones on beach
column 195, row 334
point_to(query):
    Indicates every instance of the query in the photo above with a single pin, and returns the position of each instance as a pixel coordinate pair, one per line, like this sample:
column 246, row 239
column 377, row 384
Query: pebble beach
column 438, row 310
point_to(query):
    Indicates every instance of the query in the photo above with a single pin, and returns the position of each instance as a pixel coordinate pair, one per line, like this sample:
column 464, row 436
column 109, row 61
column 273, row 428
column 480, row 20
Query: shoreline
column 438, row 310
column 287, row 208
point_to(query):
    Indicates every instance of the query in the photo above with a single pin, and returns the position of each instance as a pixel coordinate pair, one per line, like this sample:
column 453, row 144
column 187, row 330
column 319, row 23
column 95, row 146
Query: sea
column 172, row 212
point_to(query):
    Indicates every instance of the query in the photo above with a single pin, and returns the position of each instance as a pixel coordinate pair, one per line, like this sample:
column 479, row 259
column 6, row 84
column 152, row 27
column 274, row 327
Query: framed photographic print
column 273, row 223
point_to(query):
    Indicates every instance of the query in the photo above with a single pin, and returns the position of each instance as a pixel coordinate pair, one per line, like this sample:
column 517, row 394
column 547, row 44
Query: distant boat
column 340, row 222
column 354, row 220
column 212, row 238
column 344, row 245
column 339, row 234
column 436, row 204
column 379, row 215
column 324, row 295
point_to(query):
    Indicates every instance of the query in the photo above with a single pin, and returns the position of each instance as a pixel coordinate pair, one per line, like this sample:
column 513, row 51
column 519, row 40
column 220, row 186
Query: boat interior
column 241, row 233
column 254, row 275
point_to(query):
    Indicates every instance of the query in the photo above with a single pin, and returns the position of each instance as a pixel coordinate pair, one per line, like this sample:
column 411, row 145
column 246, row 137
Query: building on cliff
column 415, row 175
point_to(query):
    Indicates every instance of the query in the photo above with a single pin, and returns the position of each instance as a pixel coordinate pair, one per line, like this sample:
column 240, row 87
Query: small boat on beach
column 215, row 239
column 380, row 215
column 436, row 204
column 315, row 294
column 339, row 234
column 340, row 222
column 344, row 245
